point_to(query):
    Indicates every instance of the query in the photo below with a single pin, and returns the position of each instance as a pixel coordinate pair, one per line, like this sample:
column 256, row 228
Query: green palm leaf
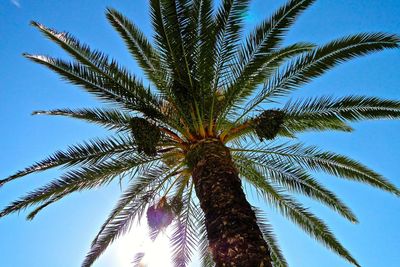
column 184, row 237
column 264, row 40
column 98, row 63
column 102, row 87
column 295, row 179
column 205, row 51
column 96, row 60
column 351, row 108
column 53, row 199
column 315, row 159
column 317, row 62
column 81, row 52
column 228, row 26
column 328, row 113
column 168, row 35
column 294, row 124
column 248, row 81
column 112, row 119
column 296, row 213
column 87, row 177
column 266, row 228
column 269, row 34
column 91, row 152
column 141, row 49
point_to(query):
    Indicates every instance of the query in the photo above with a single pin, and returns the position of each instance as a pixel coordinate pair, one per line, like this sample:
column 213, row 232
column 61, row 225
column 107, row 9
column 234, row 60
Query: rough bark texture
column 234, row 236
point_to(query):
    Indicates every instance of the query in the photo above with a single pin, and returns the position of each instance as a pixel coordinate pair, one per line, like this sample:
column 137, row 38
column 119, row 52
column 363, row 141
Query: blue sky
column 60, row 236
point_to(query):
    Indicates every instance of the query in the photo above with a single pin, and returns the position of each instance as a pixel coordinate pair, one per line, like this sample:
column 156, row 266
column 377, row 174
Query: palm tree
column 194, row 135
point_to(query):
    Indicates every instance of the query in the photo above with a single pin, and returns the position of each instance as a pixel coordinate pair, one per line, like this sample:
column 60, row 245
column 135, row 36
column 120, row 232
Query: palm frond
column 228, row 26
column 53, row 199
column 137, row 259
column 270, row 33
column 96, row 60
column 322, row 59
column 81, row 52
column 141, row 49
column 204, row 248
column 184, row 236
column 168, row 35
column 87, row 153
column 205, row 54
column 351, row 108
column 189, row 15
column 180, row 95
column 295, row 179
column 329, row 113
column 291, row 209
column 179, row 27
column 251, row 77
column 315, row 159
column 130, row 206
column 161, row 35
column 86, row 177
column 293, row 124
column 262, row 44
column 103, row 87
column 119, row 80
column 112, row 119
column 248, row 80
column 276, row 254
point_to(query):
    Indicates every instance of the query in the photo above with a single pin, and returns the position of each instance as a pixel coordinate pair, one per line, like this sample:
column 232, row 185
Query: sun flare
column 156, row 253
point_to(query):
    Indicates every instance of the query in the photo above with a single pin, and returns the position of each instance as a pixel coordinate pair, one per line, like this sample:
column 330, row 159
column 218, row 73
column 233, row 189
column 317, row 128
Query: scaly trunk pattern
column 234, row 236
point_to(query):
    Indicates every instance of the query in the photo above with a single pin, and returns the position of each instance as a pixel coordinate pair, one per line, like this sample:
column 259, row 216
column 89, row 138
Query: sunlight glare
column 157, row 253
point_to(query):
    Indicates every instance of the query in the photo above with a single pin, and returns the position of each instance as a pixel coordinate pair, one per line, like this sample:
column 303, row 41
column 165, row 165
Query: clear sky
column 60, row 236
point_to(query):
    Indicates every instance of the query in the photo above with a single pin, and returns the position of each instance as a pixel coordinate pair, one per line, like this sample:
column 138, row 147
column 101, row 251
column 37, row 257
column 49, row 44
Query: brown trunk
column 234, row 236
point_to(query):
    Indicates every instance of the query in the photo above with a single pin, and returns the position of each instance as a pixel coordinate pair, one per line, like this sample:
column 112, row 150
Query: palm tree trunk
column 234, row 236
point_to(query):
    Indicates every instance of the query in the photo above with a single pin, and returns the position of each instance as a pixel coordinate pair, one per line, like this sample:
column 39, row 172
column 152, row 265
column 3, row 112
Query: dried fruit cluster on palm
column 195, row 133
